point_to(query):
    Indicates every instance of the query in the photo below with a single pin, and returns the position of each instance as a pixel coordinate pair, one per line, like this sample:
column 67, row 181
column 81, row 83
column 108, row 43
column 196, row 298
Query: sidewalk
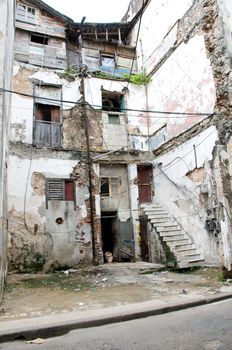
column 121, row 292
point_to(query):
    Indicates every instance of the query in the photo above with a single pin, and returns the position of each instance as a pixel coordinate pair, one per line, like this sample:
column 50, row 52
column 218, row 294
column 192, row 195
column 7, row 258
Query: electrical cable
column 193, row 114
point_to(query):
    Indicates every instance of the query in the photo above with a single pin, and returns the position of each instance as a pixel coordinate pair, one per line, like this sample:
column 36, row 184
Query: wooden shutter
column 69, row 191
column 55, row 112
column 55, row 190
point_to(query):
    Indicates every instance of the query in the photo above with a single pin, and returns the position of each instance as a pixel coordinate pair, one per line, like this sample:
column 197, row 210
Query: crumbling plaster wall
column 74, row 136
column 137, row 122
column 24, row 77
column 184, row 83
column 179, row 63
column 134, row 195
column 184, row 186
column 6, row 63
column 35, row 239
column 223, row 161
column 225, row 7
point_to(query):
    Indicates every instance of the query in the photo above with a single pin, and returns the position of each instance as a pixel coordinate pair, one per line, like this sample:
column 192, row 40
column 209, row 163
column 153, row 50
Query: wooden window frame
column 110, row 192
column 107, row 55
column 63, row 181
column 26, row 20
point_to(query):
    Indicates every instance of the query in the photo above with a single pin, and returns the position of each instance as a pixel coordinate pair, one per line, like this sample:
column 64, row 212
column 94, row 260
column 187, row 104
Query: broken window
column 25, row 13
column 105, row 186
column 112, row 101
column 110, row 186
column 39, row 39
column 60, row 190
column 107, row 60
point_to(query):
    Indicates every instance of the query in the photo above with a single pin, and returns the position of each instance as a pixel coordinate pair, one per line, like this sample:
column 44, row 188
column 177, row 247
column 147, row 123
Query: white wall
column 184, row 83
column 22, row 106
column 180, row 193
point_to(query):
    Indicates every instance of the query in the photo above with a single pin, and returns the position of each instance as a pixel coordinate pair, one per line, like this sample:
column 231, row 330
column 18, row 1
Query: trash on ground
column 36, row 341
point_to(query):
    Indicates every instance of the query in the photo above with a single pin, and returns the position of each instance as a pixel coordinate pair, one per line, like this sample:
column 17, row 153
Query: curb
column 59, row 329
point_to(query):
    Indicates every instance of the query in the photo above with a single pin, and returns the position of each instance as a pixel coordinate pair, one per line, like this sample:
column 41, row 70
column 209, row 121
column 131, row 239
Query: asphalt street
column 206, row 327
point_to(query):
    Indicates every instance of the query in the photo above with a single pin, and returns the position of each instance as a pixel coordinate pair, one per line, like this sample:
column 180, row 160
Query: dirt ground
column 33, row 295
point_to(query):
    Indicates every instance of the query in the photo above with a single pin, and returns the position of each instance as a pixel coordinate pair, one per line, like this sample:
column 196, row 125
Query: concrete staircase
column 176, row 239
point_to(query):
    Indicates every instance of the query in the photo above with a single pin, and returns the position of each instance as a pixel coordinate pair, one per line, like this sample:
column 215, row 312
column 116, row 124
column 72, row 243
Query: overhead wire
column 193, row 114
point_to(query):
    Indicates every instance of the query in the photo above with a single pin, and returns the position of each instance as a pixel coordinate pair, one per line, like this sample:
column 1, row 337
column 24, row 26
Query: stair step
column 184, row 249
column 157, row 216
column 165, row 224
column 180, row 244
column 174, row 242
column 188, row 257
column 173, row 238
column 191, row 263
column 160, row 220
column 181, row 255
column 185, row 246
column 171, row 233
column 155, row 211
column 150, row 206
column 167, row 228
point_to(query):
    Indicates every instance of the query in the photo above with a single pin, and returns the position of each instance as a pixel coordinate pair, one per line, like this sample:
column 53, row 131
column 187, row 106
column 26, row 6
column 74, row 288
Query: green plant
column 68, row 74
column 139, row 79
column 104, row 75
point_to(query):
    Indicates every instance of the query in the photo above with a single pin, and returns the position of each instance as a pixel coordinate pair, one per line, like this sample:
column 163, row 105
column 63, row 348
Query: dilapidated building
column 120, row 136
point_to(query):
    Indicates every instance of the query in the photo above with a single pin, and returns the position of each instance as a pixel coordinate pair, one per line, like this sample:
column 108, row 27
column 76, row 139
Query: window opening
column 113, row 119
column 107, row 60
column 39, row 39
column 105, row 186
column 110, row 186
column 46, row 14
column 112, row 101
column 47, row 113
column 25, row 13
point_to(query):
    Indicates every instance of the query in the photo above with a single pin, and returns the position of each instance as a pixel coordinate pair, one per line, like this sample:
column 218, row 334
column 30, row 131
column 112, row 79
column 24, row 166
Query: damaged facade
column 155, row 186
column 6, row 65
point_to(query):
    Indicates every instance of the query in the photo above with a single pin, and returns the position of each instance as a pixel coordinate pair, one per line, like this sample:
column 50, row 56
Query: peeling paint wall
column 183, row 182
column 36, row 238
column 6, row 63
column 172, row 49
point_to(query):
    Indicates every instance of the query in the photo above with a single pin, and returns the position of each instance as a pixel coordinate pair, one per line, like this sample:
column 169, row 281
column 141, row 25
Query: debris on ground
column 88, row 287
column 36, row 341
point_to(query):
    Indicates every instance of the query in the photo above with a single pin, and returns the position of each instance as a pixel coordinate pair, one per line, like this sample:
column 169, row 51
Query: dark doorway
column 108, row 230
column 145, row 184
column 144, row 238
